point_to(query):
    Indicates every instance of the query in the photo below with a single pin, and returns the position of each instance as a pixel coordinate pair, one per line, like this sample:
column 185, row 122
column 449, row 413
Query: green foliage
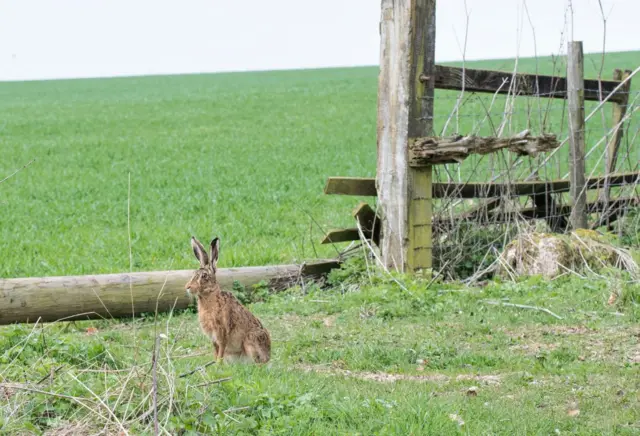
column 184, row 140
column 253, row 294
column 527, row 365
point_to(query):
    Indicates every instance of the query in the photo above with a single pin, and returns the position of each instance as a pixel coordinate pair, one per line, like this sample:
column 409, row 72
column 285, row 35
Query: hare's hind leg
column 215, row 349
column 258, row 347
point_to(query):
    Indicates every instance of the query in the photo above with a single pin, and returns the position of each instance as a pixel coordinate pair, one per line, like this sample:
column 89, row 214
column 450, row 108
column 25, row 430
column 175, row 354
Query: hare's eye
column 204, row 276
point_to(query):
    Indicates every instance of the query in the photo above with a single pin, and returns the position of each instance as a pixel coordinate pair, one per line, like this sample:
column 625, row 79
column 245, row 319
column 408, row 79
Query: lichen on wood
column 442, row 150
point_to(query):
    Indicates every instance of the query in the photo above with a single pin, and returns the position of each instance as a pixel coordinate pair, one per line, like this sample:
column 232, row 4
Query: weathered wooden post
column 613, row 147
column 575, row 95
column 619, row 111
column 405, row 111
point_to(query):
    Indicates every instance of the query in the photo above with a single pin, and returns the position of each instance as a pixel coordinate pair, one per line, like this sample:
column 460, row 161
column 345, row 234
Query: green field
column 365, row 357
column 245, row 157
column 242, row 156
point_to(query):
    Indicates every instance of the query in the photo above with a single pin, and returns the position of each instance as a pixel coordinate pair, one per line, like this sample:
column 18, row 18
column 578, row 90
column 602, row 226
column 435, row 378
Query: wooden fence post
column 575, row 91
column 405, row 111
column 619, row 111
column 613, row 147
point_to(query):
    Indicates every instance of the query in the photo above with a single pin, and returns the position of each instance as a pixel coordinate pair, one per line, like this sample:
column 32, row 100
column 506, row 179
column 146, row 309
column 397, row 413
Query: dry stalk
column 521, row 306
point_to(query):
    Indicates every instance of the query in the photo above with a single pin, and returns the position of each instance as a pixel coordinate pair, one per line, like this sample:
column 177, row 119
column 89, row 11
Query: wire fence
column 468, row 233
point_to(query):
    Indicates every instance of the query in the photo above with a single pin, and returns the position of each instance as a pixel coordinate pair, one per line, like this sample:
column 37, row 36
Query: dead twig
column 17, row 171
column 155, row 385
column 521, row 306
column 213, row 382
column 236, row 409
column 206, row 365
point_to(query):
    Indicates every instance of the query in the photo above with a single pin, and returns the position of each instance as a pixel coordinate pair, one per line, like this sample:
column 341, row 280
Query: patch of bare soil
column 385, row 377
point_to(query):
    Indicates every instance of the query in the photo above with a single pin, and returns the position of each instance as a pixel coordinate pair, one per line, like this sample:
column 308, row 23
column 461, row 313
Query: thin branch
column 155, row 385
column 17, row 171
column 214, row 382
column 206, row 365
column 521, row 306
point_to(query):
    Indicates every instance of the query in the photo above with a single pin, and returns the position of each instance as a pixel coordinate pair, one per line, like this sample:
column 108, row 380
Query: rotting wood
column 575, row 96
column 369, row 224
column 24, row 300
column 490, row 190
column 455, row 149
column 405, row 111
column 525, row 84
column 342, row 235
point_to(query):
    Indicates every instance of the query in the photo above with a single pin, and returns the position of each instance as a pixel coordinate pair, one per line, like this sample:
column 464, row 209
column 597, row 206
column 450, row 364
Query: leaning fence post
column 575, row 95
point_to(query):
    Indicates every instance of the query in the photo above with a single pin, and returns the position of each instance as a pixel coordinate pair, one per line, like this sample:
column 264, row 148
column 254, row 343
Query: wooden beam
column 455, row 149
column 342, row 235
column 369, row 221
column 491, row 190
column 531, row 213
column 500, row 82
column 370, row 225
column 575, row 94
column 405, row 111
column 25, row 300
column 613, row 147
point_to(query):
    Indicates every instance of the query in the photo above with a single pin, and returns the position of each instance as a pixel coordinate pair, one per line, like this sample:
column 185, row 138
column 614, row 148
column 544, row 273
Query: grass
column 245, row 157
column 241, row 156
column 362, row 357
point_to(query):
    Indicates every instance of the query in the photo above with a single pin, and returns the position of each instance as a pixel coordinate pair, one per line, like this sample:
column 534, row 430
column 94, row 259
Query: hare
column 236, row 333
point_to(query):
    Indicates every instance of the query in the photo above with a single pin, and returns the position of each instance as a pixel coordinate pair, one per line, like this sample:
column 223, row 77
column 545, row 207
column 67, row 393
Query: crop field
column 141, row 164
column 241, row 156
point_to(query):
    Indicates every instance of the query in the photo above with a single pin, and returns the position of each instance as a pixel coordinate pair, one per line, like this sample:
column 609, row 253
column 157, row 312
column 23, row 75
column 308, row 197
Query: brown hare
column 236, row 333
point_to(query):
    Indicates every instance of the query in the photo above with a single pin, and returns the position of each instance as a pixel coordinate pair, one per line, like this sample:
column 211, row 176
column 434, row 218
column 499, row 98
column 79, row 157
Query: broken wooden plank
column 502, row 82
column 435, row 150
column 342, row 235
column 489, row 190
column 369, row 221
column 370, row 225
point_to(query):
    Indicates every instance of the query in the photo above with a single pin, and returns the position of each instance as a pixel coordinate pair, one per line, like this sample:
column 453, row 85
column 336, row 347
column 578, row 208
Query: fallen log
column 49, row 299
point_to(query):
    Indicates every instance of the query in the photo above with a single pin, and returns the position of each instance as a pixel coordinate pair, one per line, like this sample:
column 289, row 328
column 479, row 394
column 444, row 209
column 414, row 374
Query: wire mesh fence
column 517, row 193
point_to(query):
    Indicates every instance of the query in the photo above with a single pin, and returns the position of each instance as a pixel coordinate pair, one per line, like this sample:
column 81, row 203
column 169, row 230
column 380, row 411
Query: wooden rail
column 556, row 216
column 367, row 187
column 521, row 84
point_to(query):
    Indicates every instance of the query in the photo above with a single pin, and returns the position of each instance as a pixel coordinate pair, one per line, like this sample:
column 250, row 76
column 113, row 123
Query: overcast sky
column 90, row 38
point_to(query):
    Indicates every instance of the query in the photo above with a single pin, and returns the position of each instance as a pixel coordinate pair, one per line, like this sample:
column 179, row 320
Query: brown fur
column 235, row 331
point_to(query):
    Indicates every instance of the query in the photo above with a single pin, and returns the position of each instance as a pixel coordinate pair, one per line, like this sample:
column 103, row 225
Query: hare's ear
column 215, row 251
column 200, row 252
